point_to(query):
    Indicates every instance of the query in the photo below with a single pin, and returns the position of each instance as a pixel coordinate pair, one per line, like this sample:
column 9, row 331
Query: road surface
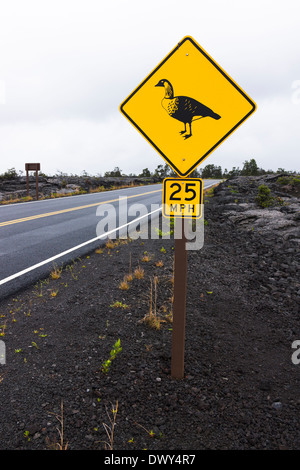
column 36, row 235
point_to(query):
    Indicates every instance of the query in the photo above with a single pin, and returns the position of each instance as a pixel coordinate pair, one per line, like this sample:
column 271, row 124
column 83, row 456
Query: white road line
column 59, row 255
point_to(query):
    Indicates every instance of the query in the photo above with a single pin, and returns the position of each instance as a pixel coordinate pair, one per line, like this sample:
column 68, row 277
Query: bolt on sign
column 187, row 106
column 182, row 197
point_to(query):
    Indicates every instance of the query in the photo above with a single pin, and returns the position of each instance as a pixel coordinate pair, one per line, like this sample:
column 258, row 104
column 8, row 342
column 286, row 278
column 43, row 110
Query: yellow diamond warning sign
column 187, row 106
column 182, row 197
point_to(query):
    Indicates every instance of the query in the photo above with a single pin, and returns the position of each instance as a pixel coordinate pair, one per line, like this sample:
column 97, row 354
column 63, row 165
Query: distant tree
column 208, row 171
column 195, row 174
column 212, row 171
column 116, row 172
column 145, row 173
column 250, row 168
column 60, row 174
column 10, row 174
column 162, row 171
column 159, row 171
column 261, row 171
column 167, row 170
column 172, row 173
column 234, row 172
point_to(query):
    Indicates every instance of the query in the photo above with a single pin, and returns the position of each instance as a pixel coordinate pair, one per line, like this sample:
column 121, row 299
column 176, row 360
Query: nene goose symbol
column 184, row 109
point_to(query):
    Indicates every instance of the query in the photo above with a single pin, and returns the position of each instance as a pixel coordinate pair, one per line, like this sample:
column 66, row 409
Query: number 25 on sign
column 182, row 197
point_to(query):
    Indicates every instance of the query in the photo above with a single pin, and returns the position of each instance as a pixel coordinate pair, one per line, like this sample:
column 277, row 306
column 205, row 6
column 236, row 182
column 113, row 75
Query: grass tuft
column 124, row 284
column 139, row 273
column 56, row 273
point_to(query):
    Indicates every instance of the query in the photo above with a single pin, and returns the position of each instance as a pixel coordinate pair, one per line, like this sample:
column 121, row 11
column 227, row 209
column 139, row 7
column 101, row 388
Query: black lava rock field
column 86, row 353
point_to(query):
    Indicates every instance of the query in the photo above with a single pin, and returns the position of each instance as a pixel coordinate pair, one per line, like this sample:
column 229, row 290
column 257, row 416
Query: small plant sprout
column 210, row 192
column 39, row 290
column 150, row 433
column 2, row 329
column 129, row 276
column 109, row 428
column 159, row 264
column 118, row 304
column 56, row 273
column 28, row 313
column 70, row 268
column 124, row 284
column 61, row 445
column 109, row 244
column 152, row 319
column 113, row 354
column 169, row 317
column 146, row 257
column 13, row 316
column 139, row 273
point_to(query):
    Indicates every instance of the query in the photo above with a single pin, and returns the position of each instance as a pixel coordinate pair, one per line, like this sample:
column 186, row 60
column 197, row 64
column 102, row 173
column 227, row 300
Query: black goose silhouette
column 182, row 108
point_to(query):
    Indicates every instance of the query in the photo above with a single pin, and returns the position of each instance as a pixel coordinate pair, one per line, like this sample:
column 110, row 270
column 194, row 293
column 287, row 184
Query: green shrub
column 289, row 180
column 10, row 174
column 264, row 198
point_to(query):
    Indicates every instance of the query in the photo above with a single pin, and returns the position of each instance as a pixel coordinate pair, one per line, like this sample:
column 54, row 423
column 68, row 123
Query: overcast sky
column 66, row 66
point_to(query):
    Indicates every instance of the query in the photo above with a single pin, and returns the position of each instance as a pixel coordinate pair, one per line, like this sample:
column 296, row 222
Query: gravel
column 240, row 388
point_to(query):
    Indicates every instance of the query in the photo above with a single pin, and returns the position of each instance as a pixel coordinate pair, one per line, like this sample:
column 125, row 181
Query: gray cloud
column 68, row 65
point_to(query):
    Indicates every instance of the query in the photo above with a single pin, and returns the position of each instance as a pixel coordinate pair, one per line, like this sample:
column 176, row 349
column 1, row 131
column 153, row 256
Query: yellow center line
column 48, row 214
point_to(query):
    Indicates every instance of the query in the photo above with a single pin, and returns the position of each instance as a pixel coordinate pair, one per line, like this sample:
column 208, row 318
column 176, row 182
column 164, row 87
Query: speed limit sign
column 182, row 197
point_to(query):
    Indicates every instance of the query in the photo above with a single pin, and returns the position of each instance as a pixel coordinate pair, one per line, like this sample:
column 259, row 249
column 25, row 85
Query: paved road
column 35, row 235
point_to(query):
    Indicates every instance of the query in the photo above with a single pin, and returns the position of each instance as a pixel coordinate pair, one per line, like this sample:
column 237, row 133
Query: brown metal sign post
column 182, row 199
column 33, row 167
column 179, row 305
